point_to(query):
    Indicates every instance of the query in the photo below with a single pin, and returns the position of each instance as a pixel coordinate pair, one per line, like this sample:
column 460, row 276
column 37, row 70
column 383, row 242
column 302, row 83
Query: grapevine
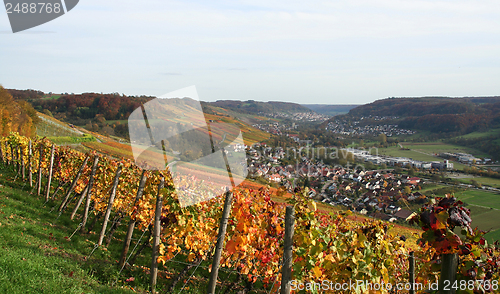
column 327, row 246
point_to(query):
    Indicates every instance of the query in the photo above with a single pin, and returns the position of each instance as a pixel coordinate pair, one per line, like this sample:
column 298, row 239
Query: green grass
column 483, row 181
column 34, row 255
column 482, row 134
column 53, row 97
column 484, row 207
column 478, row 210
column 483, row 221
column 492, row 236
column 72, row 140
column 478, row 197
column 397, row 152
column 430, row 188
column 51, row 127
column 485, row 211
column 486, row 219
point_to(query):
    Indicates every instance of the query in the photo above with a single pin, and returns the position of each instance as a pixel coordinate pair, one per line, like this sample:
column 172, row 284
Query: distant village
column 356, row 128
column 298, row 116
column 276, row 128
column 376, row 193
column 382, row 194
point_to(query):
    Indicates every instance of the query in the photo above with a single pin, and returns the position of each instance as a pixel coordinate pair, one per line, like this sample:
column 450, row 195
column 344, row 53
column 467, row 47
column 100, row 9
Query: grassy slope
column 34, row 255
column 52, row 127
column 482, row 134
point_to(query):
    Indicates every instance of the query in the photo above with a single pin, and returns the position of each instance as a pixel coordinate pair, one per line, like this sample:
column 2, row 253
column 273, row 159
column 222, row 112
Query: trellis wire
column 192, row 274
column 133, row 250
column 79, row 226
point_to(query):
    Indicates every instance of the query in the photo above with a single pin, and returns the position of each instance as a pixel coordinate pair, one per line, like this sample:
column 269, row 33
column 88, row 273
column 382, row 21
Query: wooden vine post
column 131, row 225
column 12, row 157
column 30, row 174
column 19, row 159
column 1, row 152
column 23, row 167
column 286, row 274
column 89, row 193
column 449, row 266
column 7, row 153
column 7, row 157
column 220, row 243
column 18, row 162
column 65, row 201
column 79, row 202
column 110, row 205
column 39, row 184
column 156, row 236
column 412, row 273
column 11, row 154
column 49, row 180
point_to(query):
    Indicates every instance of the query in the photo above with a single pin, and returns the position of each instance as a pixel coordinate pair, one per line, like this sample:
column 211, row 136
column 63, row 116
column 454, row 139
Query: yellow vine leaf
column 317, row 272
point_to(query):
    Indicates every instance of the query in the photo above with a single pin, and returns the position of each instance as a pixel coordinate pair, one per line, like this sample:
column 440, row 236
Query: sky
column 315, row 52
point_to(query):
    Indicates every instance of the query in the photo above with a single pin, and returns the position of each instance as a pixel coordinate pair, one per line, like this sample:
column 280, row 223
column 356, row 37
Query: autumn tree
column 383, row 139
column 16, row 116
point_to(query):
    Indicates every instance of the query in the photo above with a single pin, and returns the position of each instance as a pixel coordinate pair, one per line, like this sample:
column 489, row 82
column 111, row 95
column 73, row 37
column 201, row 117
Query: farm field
column 491, row 132
column 396, row 151
column 488, row 221
column 51, row 97
column 481, row 198
column 495, row 235
column 430, row 188
column 495, row 183
column 438, row 147
column 422, row 152
column 484, row 207
column 485, row 211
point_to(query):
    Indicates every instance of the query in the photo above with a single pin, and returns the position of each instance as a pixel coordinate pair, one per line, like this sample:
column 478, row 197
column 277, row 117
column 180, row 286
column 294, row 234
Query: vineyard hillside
column 242, row 231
